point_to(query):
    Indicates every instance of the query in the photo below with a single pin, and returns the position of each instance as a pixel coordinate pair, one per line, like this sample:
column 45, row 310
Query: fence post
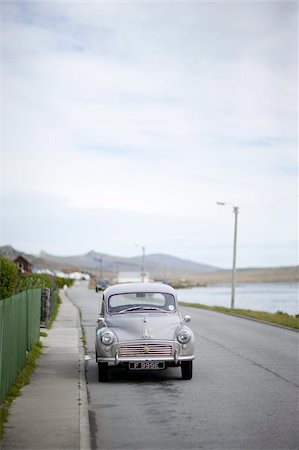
column 45, row 306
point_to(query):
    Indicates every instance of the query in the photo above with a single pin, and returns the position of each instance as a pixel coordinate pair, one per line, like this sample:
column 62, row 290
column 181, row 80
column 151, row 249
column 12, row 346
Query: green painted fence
column 19, row 331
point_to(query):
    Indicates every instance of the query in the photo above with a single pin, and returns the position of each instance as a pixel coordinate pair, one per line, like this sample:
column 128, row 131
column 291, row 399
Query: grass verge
column 278, row 318
column 22, row 379
column 54, row 312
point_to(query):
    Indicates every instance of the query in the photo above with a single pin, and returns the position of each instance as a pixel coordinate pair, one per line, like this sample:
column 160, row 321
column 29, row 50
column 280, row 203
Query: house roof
column 20, row 257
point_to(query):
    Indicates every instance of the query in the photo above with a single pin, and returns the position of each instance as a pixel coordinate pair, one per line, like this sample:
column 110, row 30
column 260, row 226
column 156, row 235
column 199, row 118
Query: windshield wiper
column 144, row 308
column 134, row 308
column 152, row 308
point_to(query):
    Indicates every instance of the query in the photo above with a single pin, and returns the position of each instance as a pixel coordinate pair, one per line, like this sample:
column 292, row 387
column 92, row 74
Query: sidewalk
column 52, row 411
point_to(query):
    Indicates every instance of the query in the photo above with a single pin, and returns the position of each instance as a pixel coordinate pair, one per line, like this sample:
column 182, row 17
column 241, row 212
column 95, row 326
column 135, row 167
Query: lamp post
column 101, row 266
column 235, row 211
column 142, row 274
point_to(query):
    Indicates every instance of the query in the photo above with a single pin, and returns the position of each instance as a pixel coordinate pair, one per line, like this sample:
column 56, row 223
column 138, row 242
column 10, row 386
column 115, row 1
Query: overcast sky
column 125, row 122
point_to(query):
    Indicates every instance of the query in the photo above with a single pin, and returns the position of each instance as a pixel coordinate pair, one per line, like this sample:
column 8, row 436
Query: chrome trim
column 146, row 334
column 186, row 358
column 147, row 348
column 120, row 359
column 176, row 356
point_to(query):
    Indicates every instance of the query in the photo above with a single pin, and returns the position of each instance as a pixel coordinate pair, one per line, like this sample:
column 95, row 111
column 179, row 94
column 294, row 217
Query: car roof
column 127, row 288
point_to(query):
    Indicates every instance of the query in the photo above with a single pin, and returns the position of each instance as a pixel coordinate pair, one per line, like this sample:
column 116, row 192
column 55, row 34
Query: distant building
column 79, row 276
column 23, row 264
column 46, row 272
column 132, row 277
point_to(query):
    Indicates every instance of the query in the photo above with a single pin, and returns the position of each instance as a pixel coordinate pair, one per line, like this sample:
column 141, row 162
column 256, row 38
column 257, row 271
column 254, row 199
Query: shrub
column 34, row 280
column 13, row 281
column 60, row 282
column 8, row 278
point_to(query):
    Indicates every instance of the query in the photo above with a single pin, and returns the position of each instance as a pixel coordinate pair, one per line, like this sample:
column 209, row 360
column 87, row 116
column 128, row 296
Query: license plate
column 147, row 365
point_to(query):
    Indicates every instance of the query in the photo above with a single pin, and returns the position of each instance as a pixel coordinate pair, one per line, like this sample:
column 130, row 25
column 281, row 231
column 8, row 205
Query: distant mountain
column 158, row 265
column 166, row 263
column 11, row 253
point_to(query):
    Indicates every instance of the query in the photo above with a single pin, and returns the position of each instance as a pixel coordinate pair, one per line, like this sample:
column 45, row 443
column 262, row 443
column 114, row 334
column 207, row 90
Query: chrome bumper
column 126, row 359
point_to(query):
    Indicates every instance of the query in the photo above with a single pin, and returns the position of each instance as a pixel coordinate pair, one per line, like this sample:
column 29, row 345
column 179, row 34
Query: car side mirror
column 101, row 322
column 187, row 318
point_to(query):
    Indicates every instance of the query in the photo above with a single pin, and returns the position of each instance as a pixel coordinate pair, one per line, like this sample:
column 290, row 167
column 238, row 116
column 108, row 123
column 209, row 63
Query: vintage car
column 102, row 284
column 141, row 328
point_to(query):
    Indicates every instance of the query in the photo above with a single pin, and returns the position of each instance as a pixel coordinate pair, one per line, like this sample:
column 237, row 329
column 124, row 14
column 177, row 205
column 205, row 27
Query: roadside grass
column 22, row 380
column 83, row 336
column 279, row 318
column 55, row 311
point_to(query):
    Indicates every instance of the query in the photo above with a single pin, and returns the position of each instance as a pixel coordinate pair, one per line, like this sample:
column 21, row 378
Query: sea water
column 270, row 297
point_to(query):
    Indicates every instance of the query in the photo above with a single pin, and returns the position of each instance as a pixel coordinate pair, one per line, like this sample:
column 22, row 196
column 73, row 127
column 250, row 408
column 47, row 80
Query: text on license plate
column 147, row 365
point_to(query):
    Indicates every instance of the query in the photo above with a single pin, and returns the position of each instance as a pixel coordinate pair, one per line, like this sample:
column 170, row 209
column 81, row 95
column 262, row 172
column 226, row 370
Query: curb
column 83, row 403
column 84, row 427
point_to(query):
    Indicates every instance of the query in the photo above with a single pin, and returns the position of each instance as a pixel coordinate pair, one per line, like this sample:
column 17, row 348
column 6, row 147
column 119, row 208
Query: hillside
column 157, row 264
column 160, row 266
column 250, row 275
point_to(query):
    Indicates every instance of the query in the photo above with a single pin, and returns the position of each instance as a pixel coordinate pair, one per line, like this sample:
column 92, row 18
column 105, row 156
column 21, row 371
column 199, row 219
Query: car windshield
column 103, row 281
column 141, row 302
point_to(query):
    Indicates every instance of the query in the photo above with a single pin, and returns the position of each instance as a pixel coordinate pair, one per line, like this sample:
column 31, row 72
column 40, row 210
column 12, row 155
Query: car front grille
column 145, row 350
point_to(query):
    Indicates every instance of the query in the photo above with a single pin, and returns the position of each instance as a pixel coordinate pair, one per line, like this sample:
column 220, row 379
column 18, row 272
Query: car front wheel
column 102, row 372
column 186, row 367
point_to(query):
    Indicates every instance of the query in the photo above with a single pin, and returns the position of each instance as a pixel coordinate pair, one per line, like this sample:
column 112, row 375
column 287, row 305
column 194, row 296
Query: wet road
column 243, row 394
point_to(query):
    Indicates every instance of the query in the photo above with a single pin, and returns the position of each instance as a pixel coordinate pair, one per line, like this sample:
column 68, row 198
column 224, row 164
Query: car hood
column 146, row 326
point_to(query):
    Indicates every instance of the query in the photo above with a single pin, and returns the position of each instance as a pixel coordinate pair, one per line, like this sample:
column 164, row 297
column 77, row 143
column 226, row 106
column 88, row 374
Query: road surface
column 243, row 394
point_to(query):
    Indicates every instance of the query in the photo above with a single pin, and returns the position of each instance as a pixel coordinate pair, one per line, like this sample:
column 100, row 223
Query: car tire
column 103, row 372
column 186, row 367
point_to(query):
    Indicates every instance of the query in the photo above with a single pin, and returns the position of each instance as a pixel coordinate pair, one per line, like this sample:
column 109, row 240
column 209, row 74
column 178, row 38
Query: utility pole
column 142, row 265
column 142, row 273
column 236, row 212
column 101, row 268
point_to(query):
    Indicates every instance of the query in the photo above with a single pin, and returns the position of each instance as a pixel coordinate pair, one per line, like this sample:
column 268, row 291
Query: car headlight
column 107, row 337
column 184, row 336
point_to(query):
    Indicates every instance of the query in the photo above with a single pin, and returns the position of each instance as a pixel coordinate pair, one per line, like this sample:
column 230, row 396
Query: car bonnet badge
column 146, row 334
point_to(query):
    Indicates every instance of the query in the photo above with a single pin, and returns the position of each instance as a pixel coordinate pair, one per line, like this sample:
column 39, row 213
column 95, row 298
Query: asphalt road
column 243, row 394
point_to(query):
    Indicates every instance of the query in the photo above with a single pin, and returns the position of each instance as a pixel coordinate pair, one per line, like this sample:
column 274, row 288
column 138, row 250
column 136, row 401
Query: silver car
column 140, row 328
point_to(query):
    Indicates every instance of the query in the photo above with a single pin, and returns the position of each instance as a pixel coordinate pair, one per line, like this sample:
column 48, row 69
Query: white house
column 79, row 276
column 132, row 277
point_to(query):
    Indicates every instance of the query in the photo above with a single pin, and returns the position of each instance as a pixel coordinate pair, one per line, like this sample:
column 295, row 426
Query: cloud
column 154, row 110
column 60, row 228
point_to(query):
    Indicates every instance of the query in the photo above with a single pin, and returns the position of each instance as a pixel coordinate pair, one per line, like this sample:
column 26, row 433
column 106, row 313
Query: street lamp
column 142, row 274
column 235, row 211
column 101, row 266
